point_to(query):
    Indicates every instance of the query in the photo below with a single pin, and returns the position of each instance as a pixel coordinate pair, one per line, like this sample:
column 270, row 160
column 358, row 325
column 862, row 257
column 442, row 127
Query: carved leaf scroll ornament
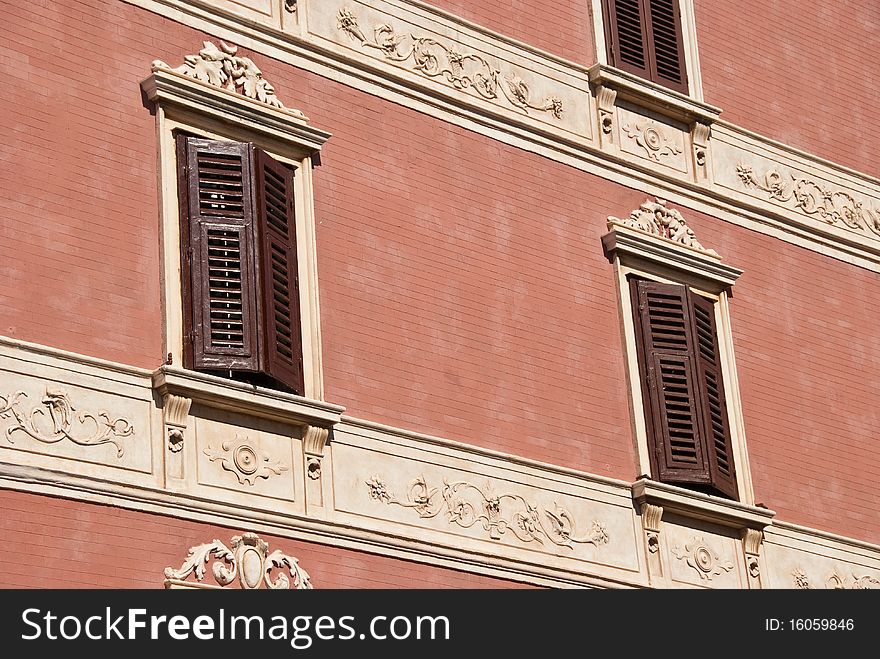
column 466, row 505
column 651, row 137
column 248, row 559
column 655, row 218
column 462, row 70
column 60, row 421
column 244, row 460
column 702, row 558
column 222, row 67
column 834, row 207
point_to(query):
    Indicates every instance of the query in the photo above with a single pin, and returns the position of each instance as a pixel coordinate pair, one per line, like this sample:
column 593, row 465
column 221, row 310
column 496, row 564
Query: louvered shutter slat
column 281, row 327
column 670, row 376
column 217, row 241
column 716, row 423
column 666, row 54
column 625, row 32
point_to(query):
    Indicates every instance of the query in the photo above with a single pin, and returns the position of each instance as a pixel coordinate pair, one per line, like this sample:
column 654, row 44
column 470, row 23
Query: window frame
column 633, row 253
column 690, row 51
column 172, row 118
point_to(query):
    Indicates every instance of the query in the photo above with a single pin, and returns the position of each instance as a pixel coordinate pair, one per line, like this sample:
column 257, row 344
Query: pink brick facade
column 458, row 298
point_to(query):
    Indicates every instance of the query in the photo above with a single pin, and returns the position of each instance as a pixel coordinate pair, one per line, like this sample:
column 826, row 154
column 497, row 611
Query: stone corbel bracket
column 652, row 518
column 175, row 412
column 752, row 540
column 611, row 86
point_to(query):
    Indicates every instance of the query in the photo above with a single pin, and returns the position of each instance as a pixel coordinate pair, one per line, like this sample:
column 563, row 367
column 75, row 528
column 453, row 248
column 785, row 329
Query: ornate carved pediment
column 247, row 559
column 222, row 67
column 655, row 218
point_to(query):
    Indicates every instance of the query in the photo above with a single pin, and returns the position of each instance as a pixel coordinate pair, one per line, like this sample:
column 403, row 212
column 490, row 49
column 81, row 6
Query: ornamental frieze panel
column 813, row 197
column 498, row 513
column 460, row 63
column 86, row 422
column 656, row 141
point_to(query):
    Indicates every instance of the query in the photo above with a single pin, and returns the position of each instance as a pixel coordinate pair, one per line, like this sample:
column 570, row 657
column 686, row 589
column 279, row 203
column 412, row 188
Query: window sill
column 243, row 398
column 651, row 96
column 696, row 505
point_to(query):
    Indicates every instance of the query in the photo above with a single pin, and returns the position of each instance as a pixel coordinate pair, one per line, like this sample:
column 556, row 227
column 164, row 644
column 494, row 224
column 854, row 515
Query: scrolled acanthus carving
column 244, row 460
column 655, row 218
column 222, row 67
column 57, row 406
column 702, row 558
column 462, row 70
column 248, row 559
column 835, row 207
column 653, row 138
column 466, row 505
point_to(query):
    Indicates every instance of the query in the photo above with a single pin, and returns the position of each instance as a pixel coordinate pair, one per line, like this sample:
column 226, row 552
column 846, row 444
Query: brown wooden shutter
column 219, row 285
column 280, row 317
column 670, row 382
column 666, row 50
column 715, row 419
column 626, row 34
column 644, row 37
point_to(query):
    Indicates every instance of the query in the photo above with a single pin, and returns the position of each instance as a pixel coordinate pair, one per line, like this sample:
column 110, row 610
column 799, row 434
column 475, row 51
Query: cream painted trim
column 700, row 273
column 688, row 43
column 215, row 113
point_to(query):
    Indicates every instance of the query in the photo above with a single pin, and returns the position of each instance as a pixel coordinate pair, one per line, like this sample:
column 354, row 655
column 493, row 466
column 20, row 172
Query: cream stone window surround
column 185, row 102
column 689, row 45
column 635, row 251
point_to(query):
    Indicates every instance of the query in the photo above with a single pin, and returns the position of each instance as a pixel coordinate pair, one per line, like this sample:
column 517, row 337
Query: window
column 674, row 295
column 680, row 372
column 239, row 279
column 645, row 37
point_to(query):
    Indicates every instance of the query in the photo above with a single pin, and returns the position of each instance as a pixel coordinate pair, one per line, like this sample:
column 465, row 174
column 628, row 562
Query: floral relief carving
column 462, row 70
column 55, row 420
column 837, row 580
column 651, row 137
column 244, row 460
column 655, row 218
column 834, row 207
column 222, row 67
column 702, row 558
column 467, row 505
column 248, row 559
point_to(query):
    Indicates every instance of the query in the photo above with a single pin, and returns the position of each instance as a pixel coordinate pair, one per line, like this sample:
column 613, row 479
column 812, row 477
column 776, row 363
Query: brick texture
column 800, row 73
column 47, row 542
column 462, row 283
column 563, row 28
column 808, row 361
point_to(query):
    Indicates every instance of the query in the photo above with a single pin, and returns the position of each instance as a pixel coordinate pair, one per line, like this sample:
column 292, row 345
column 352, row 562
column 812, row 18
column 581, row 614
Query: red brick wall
column 79, row 255
column 463, row 288
column 560, row 27
column 801, row 73
column 46, row 542
column 808, row 359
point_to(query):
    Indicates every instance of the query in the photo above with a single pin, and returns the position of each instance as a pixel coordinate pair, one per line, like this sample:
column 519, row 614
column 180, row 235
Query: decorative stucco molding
column 56, row 404
column 176, row 411
column 245, row 460
column 247, row 559
column 462, row 70
column 466, row 505
column 702, row 558
column 810, row 197
column 836, row 580
column 221, row 67
column 652, row 138
column 314, row 440
column 655, row 218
